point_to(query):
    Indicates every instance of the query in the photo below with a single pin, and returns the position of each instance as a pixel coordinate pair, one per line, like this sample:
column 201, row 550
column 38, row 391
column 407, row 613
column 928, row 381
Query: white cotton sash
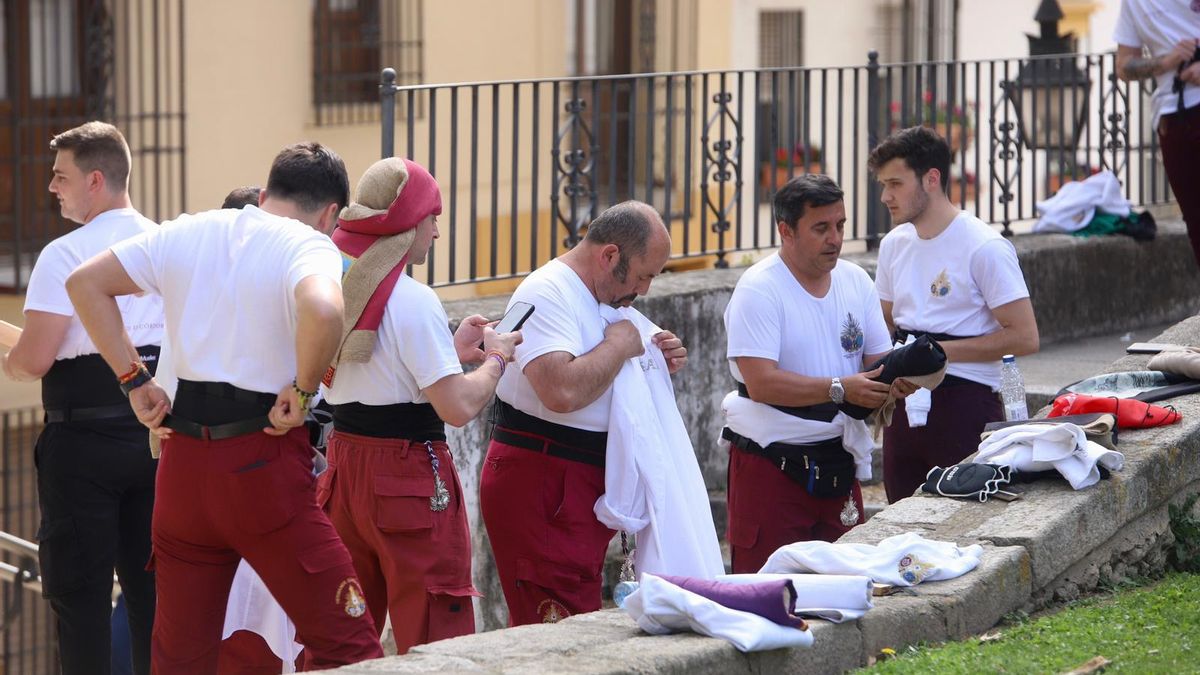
column 652, row 482
column 903, row 560
column 1041, row 447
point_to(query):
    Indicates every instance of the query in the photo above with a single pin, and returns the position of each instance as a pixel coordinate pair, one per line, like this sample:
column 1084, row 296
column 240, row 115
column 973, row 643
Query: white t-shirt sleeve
column 141, row 257
column 316, row 256
column 1125, row 32
column 551, row 328
column 997, row 272
column 47, row 291
column 752, row 322
column 883, row 273
column 426, row 345
column 877, row 339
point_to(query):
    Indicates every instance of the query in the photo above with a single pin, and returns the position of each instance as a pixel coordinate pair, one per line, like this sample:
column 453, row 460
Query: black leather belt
column 901, row 335
column 516, row 428
column 824, row 469
column 218, row 432
column 821, row 412
column 411, row 421
column 103, row 412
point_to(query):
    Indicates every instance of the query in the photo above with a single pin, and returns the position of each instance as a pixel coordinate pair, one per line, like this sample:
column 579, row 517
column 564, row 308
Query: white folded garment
column 1042, row 447
column 1075, row 204
column 917, row 407
column 660, row 607
column 903, row 560
column 252, row 607
column 833, row 597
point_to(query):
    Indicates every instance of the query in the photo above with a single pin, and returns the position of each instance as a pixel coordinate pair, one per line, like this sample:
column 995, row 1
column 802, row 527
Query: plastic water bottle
column 1012, row 390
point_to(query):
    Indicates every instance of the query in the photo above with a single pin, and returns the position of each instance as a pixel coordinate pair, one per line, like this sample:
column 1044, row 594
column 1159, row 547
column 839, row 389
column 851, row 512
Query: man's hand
column 862, row 390
column 625, row 337
column 673, row 350
column 1191, row 74
column 151, row 404
column 1180, row 54
column 287, row 413
column 467, row 339
column 901, row 388
column 505, row 343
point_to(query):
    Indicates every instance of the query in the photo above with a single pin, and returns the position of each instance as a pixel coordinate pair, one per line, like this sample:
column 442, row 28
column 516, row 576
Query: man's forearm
column 1142, row 67
column 101, row 316
column 990, row 347
column 317, row 337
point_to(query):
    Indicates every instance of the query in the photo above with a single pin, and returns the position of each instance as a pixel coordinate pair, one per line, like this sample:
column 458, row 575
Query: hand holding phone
column 515, row 317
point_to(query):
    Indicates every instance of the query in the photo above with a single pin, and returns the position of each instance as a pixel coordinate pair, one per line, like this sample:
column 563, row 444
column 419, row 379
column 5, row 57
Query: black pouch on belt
column 825, row 469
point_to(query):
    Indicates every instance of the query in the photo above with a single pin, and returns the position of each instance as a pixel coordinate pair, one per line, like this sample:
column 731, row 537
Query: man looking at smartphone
column 391, row 488
column 545, row 465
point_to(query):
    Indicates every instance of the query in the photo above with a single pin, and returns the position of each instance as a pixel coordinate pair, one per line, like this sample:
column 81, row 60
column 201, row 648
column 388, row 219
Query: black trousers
column 96, row 490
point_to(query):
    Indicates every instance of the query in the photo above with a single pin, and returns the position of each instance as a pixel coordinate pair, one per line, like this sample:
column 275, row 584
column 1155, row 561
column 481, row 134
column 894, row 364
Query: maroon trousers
column 957, row 416
column 249, row 497
column 414, row 562
column 767, row 509
column 1179, row 136
column 548, row 545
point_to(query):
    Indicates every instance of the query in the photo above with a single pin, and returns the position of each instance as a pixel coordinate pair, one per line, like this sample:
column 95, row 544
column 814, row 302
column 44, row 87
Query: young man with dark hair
column 253, row 307
column 552, row 415
column 94, row 469
column 801, row 326
column 945, row 273
column 242, row 197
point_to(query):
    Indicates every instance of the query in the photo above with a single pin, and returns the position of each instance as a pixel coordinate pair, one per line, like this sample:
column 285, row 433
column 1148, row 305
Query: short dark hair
column 243, row 196
column 311, row 175
column 628, row 225
column 98, row 146
column 921, row 148
column 802, row 192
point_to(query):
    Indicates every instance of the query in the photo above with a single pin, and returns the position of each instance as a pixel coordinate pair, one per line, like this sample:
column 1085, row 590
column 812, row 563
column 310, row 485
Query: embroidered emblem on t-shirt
column 552, row 611
column 940, row 287
column 914, row 570
column 350, row 597
column 852, row 335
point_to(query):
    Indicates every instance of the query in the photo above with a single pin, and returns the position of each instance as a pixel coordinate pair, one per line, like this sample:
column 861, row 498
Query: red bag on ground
column 1130, row 413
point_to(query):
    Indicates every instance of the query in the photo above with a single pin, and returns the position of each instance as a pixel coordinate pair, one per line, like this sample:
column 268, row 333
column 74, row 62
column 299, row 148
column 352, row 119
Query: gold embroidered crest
column 940, row 287
column 350, row 597
column 552, row 611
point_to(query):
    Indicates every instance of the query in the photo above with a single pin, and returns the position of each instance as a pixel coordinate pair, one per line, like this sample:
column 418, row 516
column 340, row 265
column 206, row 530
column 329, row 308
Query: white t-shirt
column 1160, row 25
column 413, row 349
column 771, row 316
column 566, row 318
column 228, row 280
column 950, row 284
column 47, row 292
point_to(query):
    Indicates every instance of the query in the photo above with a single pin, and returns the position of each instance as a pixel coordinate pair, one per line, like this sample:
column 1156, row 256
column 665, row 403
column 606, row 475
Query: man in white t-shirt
column 945, row 273
column 1170, row 31
column 545, row 465
column 95, row 473
column 391, row 489
column 801, row 326
column 253, row 308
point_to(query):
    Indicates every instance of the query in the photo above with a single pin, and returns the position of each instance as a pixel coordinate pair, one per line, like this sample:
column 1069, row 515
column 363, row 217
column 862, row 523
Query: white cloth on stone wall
column 1076, row 203
column 902, row 560
column 1042, row 447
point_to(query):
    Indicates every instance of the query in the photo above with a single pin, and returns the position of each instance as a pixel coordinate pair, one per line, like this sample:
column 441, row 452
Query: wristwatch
column 837, row 393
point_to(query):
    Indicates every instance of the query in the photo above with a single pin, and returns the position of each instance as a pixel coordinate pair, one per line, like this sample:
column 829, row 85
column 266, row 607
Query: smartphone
column 1146, row 348
column 515, row 317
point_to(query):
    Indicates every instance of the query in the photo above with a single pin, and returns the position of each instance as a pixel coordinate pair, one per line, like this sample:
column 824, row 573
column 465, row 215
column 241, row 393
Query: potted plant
column 791, row 162
column 1064, row 168
column 939, row 117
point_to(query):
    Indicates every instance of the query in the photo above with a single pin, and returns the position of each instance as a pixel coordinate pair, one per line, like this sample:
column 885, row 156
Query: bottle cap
column 1009, row 358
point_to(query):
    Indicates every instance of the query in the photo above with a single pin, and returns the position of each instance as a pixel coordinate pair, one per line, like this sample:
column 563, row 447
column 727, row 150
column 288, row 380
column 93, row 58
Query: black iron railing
column 27, row 643
column 526, row 164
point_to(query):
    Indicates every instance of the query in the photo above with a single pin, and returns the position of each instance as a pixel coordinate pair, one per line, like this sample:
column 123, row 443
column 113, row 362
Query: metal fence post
column 387, row 112
column 875, row 227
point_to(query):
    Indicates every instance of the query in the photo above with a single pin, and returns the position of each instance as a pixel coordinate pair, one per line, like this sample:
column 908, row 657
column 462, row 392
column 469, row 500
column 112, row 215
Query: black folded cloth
column 923, row 356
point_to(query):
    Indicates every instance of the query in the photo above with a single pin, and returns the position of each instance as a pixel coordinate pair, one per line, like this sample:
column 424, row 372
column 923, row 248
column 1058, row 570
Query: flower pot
column 772, row 176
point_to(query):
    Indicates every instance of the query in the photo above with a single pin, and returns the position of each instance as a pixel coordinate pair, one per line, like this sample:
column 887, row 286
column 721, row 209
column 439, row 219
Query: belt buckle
column 205, row 433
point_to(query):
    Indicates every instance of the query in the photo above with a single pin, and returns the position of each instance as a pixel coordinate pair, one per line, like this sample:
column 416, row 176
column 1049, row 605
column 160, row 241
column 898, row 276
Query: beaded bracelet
column 305, row 397
column 499, row 359
column 135, row 368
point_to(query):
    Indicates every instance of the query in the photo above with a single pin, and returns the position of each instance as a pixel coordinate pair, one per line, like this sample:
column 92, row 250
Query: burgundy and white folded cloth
column 833, row 597
column 660, row 607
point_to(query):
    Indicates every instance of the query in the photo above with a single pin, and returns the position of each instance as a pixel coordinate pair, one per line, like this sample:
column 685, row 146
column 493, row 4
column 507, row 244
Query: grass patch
column 1154, row 629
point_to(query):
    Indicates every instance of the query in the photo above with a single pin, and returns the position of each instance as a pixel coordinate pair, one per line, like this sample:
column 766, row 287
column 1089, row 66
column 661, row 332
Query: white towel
column 1073, row 207
column 903, row 560
column 765, row 425
column 252, row 607
column 1041, row 447
column 833, row 597
column 652, row 482
column 660, row 607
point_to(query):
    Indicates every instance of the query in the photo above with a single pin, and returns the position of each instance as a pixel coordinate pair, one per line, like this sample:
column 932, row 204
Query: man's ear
column 329, row 217
column 95, row 181
column 933, row 180
column 785, row 231
column 610, row 255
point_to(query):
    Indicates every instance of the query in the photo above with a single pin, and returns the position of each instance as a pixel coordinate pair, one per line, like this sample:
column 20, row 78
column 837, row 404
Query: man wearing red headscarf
column 391, row 488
